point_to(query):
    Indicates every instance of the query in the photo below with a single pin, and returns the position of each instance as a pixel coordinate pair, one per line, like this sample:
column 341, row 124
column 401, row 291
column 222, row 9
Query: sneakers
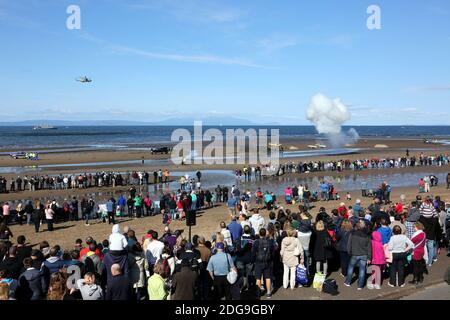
column 269, row 296
column 402, row 285
column 370, row 286
column 346, row 284
column 391, row 285
column 377, row 287
column 359, row 289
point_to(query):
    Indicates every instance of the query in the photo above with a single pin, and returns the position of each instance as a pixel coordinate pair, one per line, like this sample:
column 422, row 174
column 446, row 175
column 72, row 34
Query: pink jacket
column 288, row 192
column 378, row 255
column 6, row 210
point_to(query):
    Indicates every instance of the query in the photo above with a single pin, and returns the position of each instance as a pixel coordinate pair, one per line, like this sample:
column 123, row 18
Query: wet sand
column 397, row 147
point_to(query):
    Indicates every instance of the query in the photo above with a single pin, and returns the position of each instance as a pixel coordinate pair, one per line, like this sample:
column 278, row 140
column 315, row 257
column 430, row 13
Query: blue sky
column 255, row 59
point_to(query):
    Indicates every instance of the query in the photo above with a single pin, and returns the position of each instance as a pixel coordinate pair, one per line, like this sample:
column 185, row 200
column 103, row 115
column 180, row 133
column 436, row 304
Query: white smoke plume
column 328, row 116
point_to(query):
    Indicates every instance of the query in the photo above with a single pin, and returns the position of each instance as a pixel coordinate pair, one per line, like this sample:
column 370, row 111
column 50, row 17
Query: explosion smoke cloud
column 328, row 115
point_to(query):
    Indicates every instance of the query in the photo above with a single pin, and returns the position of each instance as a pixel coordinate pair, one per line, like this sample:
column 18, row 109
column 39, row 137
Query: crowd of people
column 248, row 257
column 254, row 172
column 82, row 181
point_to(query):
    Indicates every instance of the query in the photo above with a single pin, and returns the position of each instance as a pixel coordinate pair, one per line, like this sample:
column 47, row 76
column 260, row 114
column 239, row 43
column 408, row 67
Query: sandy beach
column 207, row 220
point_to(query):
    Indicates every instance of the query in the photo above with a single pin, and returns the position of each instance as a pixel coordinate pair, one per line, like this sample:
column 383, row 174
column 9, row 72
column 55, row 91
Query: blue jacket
column 386, row 234
column 122, row 201
column 235, row 230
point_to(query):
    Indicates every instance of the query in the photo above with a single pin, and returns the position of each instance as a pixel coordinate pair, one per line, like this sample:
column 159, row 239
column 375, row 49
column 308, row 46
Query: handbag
column 232, row 274
column 318, row 281
column 301, row 275
column 409, row 257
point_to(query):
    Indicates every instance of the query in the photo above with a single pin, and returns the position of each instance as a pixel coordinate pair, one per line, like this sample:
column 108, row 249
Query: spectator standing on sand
column 218, row 266
column 31, row 283
column 262, row 256
column 110, row 208
column 413, row 217
column 88, row 287
column 49, row 216
column 360, row 251
column 157, row 289
column 432, row 229
column 322, row 253
column 6, row 213
column 378, row 261
column 184, row 282
column 257, row 222
column 118, row 285
column 342, row 237
column 291, row 255
column 418, row 262
column 398, row 245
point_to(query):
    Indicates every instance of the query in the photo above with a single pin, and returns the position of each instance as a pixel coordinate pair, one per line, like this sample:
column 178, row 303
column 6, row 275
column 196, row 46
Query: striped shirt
column 427, row 209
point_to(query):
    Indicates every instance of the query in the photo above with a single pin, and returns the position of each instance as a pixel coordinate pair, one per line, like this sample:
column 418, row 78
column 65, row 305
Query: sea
column 117, row 137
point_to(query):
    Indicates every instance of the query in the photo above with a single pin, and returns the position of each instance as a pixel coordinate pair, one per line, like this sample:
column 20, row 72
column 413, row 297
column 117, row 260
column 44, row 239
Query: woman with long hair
column 291, row 255
column 342, row 237
column 321, row 249
column 57, row 289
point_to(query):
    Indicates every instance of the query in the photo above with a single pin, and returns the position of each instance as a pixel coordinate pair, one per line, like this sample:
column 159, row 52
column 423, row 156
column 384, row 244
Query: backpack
column 330, row 286
column 264, row 254
column 328, row 241
column 166, row 267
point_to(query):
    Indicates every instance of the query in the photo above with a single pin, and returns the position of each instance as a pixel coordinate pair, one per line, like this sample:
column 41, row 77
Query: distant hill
column 176, row 121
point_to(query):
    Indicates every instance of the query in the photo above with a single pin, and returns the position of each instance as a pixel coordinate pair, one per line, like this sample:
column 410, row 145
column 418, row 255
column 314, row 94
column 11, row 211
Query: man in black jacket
column 12, row 263
column 433, row 232
column 360, row 250
column 31, row 282
column 118, row 286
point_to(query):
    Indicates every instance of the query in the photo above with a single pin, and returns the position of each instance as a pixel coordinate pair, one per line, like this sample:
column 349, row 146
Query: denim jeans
column 432, row 252
column 362, row 264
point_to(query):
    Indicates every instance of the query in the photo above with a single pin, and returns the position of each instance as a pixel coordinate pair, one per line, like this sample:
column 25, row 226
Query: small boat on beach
column 44, row 127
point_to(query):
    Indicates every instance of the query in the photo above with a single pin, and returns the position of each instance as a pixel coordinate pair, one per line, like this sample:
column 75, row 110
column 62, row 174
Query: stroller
column 288, row 199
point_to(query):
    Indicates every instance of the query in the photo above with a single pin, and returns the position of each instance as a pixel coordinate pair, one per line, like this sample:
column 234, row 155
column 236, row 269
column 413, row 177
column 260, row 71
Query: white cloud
column 275, row 42
column 192, row 10
column 184, row 57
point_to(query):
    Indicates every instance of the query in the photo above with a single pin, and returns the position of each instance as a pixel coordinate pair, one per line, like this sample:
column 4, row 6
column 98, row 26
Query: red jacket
column 343, row 211
column 419, row 239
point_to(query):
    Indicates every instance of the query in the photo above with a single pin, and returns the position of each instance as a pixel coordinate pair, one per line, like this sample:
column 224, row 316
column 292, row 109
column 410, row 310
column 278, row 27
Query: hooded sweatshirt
column 117, row 241
column 378, row 256
column 31, row 285
column 288, row 248
column 90, row 291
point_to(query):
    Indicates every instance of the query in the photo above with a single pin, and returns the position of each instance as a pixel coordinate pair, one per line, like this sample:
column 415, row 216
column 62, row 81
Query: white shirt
column 156, row 249
column 257, row 222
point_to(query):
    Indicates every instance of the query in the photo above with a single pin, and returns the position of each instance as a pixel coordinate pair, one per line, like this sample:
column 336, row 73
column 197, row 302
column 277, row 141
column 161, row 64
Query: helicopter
column 83, row 79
